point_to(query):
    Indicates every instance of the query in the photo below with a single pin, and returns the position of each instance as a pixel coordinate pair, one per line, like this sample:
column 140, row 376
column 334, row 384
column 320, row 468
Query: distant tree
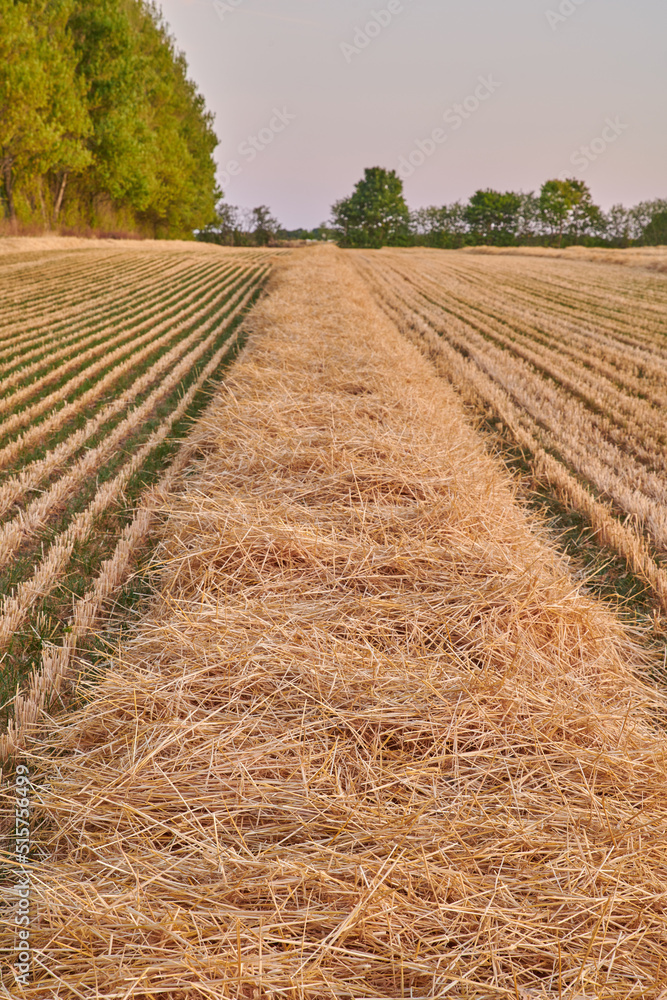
column 265, row 226
column 528, row 220
column 655, row 233
column 444, row 227
column 240, row 227
column 567, row 205
column 224, row 229
column 617, row 226
column 376, row 214
column 642, row 214
column 319, row 233
column 493, row 216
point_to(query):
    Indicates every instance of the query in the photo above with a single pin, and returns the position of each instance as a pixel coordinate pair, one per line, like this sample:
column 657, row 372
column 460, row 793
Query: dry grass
column 570, row 358
column 107, row 351
column 369, row 741
column 652, row 258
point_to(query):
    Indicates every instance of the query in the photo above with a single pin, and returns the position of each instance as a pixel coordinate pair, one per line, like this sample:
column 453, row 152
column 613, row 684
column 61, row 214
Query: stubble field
column 106, row 355
column 370, row 737
column 564, row 359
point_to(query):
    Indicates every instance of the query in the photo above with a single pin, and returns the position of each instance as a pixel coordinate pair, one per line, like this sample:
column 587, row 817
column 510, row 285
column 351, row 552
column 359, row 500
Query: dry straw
column 369, row 741
column 599, row 410
column 652, row 258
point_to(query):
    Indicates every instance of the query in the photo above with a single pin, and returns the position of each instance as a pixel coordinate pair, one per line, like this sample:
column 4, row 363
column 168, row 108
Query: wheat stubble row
column 614, row 454
column 59, row 296
column 145, row 332
column 604, row 445
column 369, row 740
column 63, row 287
column 16, row 487
column 36, row 514
column 100, row 421
column 101, row 315
column 88, row 346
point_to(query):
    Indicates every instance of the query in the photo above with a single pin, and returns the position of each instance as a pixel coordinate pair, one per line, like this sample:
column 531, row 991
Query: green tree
column 265, row 225
column 225, row 229
column 241, row 227
column 375, row 215
column 493, row 216
column 567, row 206
column 642, row 214
column 99, row 122
column 655, row 233
column 444, row 227
column 618, row 226
column 43, row 116
column 152, row 140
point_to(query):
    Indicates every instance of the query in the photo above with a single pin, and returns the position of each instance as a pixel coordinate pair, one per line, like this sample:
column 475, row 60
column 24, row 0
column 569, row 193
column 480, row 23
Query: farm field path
column 369, row 738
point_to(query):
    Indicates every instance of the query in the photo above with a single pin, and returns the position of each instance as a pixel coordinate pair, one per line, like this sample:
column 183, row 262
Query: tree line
column 241, row 227
column 100, row 126
column 562, row 214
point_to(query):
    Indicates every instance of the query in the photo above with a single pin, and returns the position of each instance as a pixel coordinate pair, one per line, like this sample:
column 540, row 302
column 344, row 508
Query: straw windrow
column 369, row 741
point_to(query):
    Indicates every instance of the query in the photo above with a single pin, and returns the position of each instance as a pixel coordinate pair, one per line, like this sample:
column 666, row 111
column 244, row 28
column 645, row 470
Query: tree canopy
column 494, row 216
column 561, row 214
column 376, row 214
column 655, row 233
column 241, row 227
column 100, row 125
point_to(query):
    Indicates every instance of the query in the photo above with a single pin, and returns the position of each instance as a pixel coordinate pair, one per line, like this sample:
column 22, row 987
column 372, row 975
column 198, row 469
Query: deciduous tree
column 376, row 214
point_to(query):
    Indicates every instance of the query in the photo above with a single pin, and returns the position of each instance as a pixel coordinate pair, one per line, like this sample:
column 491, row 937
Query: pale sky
column 306, row 93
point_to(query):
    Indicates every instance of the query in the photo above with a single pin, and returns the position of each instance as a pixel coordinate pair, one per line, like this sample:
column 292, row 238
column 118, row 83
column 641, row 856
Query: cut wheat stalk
column 64, row 282
column 45, row 682
column 73, row 299
column 77, row 359
column 29, row 521
column 621, row 486
column 48, row 573
column 96, row 323
column 370, row 739
column 27, row 416
column 16, row 487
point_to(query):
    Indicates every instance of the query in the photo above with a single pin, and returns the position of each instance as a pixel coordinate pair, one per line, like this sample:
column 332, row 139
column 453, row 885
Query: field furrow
column 85, row 344
column 30, row 477
column 587, row 405
column 102, row 316
column 93, row 409
column 129, row 344
column 48, row 573
column 71, row 298
column 28, row 522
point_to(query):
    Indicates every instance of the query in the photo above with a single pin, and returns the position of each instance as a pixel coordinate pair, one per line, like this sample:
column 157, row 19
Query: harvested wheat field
column 369, row 740
column 107, row 352
column 569, row 359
